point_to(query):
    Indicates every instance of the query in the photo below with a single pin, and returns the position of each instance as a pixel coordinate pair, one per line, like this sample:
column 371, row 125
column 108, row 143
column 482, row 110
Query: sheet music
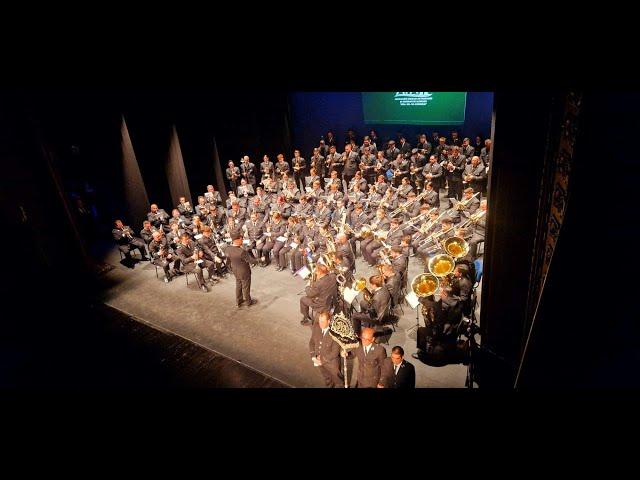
column 281, row 239
column 349, row 295
column 303, row 273
column 412, row 299
column 198, row 236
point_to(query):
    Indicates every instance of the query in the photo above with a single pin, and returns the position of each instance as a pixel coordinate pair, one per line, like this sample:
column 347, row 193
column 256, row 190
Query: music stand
column 414, row 302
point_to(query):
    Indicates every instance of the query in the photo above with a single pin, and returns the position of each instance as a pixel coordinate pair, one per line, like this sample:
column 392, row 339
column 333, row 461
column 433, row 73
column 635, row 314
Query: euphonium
column 425, row 284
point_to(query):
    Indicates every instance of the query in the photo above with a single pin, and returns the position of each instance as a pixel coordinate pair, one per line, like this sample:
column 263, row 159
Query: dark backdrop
column 313, row 113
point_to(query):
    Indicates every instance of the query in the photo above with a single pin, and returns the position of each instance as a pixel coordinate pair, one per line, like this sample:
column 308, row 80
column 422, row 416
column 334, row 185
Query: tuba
column 425, row 284
column 441, row 265
column 456, row 247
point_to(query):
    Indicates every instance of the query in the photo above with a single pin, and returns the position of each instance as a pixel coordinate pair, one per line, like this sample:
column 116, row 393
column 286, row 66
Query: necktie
column 396, row 369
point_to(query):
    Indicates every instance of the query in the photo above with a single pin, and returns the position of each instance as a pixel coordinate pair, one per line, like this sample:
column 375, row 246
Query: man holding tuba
column 372, row 310
column 320, row 295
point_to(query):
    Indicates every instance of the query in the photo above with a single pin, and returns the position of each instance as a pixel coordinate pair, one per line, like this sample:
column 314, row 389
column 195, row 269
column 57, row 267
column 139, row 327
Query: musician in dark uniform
column 320, row 295
column 123, row 235
column 158, row 218
column 325, row 352
column 467, row 149
column 211, row 251
column 432, row 246
column 431, row 198
column 397, row 372
column 351, row 162
column 240, row 264
column 392, row 281
column 454, row 168
column 192, row 259
column 281, row 167
column 405, row 147
column 424, row 146
column 147, row 232
column 370, row 358
column 233, row 175
column 475, row 175
column 267, row 168
column 274, row 229
column 185, row 208
column 373, row 311
column 248, row 171
column 478, row 232
column 162, row 254
column 299, row 166
column 317, row 162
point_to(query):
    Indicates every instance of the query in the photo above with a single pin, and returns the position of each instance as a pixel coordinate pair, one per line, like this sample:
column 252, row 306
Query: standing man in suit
column 325, row 352
column 397, row 372
column 351, row 164
column 370, row 358
column 320, row 296
column 299, row 166
column 240, row 263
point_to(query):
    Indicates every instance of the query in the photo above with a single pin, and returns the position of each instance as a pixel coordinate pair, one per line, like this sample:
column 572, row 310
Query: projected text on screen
column 414, row 108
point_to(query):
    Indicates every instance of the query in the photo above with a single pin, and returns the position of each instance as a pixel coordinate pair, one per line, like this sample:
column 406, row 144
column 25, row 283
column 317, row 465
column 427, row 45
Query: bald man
column 370, row 359
column 325, row 352
column 159, row 218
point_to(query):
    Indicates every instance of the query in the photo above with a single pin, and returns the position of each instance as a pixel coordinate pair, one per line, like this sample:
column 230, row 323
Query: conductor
column 240, row 262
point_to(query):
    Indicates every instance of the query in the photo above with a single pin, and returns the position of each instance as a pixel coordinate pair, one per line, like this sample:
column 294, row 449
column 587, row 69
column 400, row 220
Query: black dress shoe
column 305, row 322
column 416, row 356
column 204, row 289
column 252, row 302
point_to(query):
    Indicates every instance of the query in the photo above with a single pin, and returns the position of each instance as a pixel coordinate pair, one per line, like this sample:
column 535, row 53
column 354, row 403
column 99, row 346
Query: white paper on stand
column 304, row 272
column 293, row 245
column 349, row 295
column 198, row 237
column 246, row 242
column 281, row 239
column 412, row 299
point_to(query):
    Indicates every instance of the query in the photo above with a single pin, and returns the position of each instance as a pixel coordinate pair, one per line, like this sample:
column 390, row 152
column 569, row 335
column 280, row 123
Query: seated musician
column 433, row 243
column 426, row 228
column 245, row 190
column 333, row 180
column 334, row 195
column 472, row 203
column 381, row 166
column 196, row 227
column 313, row 177
column 358, row 183
column 258, row 207
column 265, row 197
column 192, row 260
column 254, row 230
column 212, row 197
column 281, row 207
column 316, row 193
column 320, row 295
column 124, row 237
column 147, row 232
column 411, row 207
column 478, row 232
column 162, row 255
column 389, row 200
column 291, row 192
column 373, row 198
column 285, row 253
column 431, row 197
column 343, row 266
column 158, row 218
column 322, row 213
column 304, row 208
column 176, row 216
column 185, row 208
column 393, row 237
column 404, row 189
column 380, row 224
column 211, row 251
column 270, row 248
column 309, row 236
column 238, row 214
column 373, row 311
column 340, row 212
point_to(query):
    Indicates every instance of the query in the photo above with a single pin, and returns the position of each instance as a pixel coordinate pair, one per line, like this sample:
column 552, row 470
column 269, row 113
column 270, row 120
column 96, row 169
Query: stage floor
column 266, row 337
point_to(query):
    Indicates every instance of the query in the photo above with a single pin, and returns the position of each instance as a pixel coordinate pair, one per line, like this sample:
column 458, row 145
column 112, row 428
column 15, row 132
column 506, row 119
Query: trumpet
column 127, row 232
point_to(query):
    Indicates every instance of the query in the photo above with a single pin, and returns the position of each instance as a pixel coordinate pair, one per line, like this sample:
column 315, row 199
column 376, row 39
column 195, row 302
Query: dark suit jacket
column 406, row 377
column 370, row 365
column 240, row 261
column 324, row 347
column 323, row 292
